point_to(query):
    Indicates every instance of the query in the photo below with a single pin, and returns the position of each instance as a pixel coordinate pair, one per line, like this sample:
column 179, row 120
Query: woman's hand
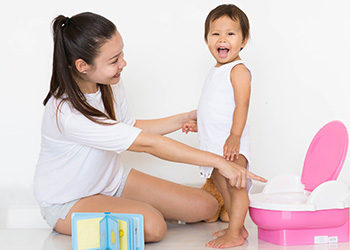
column 237, row 175
column 190, row 127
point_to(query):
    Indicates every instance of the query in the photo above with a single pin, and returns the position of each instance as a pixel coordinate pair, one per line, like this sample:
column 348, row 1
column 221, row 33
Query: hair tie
column 65, row 22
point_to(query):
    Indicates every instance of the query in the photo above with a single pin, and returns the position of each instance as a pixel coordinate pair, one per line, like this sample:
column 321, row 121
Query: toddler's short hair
column 231, row 11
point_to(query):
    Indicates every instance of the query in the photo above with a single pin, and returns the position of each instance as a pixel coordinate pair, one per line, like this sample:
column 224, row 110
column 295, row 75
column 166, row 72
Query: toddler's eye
column 215, row 34
column 231, row 34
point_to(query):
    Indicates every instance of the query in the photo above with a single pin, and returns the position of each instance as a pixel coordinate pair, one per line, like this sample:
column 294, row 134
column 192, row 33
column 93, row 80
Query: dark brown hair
column 231, row 11
column 80, row 36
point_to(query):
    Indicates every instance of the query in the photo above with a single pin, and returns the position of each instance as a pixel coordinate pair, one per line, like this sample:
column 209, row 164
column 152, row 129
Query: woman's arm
column 166, row 125
column 171, row 150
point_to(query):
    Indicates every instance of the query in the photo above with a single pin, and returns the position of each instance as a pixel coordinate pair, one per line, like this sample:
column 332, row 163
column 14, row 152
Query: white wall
column 299, row 53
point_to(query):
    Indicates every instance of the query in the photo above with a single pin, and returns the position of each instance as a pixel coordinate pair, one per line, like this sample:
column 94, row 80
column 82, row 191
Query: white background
column 299, row 54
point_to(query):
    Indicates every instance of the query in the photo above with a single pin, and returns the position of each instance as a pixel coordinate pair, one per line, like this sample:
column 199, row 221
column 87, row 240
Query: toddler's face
column 225, row 40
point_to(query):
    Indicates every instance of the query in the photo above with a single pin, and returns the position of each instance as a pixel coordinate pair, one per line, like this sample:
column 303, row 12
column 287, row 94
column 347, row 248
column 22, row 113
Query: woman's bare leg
column 174, row 201
column 155, row 226
column 154, row 223
column 152, row 197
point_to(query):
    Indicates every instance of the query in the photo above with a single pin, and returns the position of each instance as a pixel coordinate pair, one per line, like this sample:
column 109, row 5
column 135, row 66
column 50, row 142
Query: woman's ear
column 81, row 66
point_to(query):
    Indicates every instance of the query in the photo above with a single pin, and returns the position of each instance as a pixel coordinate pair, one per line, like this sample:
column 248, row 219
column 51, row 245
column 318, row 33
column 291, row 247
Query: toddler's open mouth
column 223, row 52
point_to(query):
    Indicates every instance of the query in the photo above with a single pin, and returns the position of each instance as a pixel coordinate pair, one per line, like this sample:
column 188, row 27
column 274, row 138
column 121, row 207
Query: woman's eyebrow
column 115, row 56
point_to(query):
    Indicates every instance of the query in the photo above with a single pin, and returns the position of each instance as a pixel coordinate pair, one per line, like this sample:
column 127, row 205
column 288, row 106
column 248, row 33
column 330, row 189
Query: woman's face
column 107, row 66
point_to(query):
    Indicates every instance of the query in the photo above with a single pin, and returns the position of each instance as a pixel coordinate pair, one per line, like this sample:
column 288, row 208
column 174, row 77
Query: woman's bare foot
column 226, row 241
column 220, row 233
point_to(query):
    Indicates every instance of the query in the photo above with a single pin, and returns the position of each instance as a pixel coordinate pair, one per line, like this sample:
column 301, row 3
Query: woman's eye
column 115, row 61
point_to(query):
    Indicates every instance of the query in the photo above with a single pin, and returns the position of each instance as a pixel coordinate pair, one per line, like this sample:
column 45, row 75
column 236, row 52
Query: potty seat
column 312, row 209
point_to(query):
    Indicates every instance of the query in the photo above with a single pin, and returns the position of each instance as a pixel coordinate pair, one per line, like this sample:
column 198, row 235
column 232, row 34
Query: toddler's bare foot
column 244, row 232
column 220, row 233
column 226, row 241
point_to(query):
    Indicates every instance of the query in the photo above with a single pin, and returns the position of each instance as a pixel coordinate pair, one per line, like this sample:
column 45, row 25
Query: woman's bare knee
column 155, row 226
column 211, row 206
column 202, row 206
column 64, row 226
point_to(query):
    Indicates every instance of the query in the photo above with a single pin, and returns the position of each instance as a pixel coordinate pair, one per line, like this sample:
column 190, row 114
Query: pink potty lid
column 325, row 156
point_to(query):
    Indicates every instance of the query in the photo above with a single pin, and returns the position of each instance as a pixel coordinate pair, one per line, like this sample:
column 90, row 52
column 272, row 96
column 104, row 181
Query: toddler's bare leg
column 221, row 185
column 237, row 203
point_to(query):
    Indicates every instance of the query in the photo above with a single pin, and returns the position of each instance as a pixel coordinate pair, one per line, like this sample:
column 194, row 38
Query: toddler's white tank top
column 215, row 114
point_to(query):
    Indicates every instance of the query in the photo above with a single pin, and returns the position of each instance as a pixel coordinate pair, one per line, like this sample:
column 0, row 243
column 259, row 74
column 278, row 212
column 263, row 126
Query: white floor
column 179, row 237
column 22, row 228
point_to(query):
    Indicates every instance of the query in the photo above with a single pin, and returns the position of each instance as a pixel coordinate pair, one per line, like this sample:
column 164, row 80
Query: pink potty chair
column 312, row 209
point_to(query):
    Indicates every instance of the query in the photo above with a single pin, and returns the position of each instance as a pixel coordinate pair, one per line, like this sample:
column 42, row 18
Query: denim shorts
column 52, row 213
